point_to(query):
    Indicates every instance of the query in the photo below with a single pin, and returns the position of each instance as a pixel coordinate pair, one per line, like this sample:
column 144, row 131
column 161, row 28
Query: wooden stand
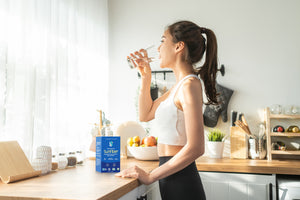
column 14, row 164
column 271, row 136
column 238, row 143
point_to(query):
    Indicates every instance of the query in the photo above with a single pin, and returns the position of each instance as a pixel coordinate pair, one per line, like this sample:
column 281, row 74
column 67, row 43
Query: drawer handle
column 270, row 191
column 143, row 197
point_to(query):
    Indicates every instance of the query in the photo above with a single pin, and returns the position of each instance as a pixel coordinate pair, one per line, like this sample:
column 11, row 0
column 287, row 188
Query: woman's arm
column 190, row 97
column 147, row 106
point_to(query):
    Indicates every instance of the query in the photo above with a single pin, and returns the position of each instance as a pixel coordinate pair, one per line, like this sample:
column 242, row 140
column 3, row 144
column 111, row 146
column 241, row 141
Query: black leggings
column 183, row 185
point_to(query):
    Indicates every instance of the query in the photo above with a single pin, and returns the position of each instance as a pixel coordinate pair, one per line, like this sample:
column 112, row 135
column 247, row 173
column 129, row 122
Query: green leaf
column 215, row 135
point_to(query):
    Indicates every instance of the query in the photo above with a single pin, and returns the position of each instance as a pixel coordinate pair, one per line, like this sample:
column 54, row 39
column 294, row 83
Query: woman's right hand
column 140, row 60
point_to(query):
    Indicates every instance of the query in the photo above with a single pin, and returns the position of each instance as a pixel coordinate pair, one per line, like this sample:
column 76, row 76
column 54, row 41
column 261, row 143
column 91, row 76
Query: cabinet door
column 152, row 192
column 135, row 193
column 235, row 186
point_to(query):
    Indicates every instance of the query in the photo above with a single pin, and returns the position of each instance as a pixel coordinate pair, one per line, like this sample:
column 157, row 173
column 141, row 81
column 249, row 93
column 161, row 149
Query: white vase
column 215, row 149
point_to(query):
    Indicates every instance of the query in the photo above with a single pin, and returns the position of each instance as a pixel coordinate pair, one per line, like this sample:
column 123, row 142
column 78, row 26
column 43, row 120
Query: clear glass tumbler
column 276, row 109
column 152, row 52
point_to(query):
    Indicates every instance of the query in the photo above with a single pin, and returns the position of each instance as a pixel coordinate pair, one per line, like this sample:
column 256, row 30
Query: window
column 53, row 71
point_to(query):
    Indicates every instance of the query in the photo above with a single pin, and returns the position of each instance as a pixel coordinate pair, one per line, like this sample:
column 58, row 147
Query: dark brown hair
column 192, row 36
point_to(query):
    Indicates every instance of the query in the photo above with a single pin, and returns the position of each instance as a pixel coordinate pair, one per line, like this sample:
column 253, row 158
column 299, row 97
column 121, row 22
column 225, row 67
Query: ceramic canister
column 45, row 152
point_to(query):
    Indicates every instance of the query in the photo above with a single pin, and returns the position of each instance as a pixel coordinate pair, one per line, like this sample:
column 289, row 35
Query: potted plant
column 215, row 144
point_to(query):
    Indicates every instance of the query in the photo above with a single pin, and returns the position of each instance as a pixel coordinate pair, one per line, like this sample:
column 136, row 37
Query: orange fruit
column 136, row 139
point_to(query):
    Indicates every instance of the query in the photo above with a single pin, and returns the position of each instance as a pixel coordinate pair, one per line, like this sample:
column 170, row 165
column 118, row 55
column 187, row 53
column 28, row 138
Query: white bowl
column 144, row 153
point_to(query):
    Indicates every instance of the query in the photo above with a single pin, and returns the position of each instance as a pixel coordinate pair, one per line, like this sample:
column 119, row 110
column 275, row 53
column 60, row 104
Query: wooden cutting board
column 126, row 130
column 14, row 164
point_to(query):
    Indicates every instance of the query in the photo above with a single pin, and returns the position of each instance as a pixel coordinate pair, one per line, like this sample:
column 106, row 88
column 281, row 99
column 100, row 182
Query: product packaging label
column 108, row 153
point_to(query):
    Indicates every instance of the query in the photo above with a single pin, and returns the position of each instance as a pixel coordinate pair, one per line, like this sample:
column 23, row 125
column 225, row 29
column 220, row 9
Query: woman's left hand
column 136, row 172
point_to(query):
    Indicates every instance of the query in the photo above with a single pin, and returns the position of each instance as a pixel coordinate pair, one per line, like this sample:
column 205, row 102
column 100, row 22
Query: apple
column 150, row 141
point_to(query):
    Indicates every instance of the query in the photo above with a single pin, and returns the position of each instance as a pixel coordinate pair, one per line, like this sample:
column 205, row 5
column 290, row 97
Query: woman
column 178, row 111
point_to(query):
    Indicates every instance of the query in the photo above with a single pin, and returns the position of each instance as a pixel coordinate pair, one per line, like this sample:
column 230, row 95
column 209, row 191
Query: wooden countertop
column 291, row 167
column 83, row 182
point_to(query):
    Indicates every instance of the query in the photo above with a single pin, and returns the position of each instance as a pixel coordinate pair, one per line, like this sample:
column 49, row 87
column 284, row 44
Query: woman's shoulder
column 191, row 90
column 192, row 84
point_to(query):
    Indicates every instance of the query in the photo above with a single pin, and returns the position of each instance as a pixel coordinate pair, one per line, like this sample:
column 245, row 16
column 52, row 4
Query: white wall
column 259, row 44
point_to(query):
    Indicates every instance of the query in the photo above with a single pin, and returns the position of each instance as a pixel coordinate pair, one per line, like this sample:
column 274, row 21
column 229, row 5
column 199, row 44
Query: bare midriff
column 168, row 150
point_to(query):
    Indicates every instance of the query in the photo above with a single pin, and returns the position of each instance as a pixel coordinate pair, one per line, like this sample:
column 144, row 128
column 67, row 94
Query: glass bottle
column 107, row 130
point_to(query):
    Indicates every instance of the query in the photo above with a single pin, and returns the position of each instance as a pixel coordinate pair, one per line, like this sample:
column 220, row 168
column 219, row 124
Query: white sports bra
column 169, row 124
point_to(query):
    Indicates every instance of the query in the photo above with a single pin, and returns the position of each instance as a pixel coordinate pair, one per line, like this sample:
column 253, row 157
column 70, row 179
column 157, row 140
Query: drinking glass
column 296, row 110
column 276, row 109
column 288, row 110
column 153, row 56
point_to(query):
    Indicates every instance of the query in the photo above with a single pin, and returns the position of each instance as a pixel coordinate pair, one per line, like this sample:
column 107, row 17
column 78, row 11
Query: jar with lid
column 79, row 157
column 54, row 163
column 62, row 161
column 72, row 160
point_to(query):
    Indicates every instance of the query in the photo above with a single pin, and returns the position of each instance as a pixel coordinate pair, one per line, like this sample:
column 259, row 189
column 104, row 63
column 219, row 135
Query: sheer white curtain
column 53, row 71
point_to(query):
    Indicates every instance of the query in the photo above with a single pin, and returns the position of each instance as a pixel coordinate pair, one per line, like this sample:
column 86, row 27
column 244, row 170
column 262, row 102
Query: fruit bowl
column 143, row 153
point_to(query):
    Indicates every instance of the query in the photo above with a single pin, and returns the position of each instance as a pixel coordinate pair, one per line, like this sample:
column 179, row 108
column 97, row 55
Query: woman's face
column 167, row 51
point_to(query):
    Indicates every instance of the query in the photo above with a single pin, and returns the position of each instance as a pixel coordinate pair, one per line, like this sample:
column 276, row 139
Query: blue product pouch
column 108, row 153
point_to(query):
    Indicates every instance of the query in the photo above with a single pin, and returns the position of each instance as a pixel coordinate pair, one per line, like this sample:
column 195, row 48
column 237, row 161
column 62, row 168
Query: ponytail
column 192, row 35
column 209, row 69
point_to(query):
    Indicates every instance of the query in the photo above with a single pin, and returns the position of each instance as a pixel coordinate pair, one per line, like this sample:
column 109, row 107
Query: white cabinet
column 237, row 186
column 219, row 185
column 133, row 194
column 151, row 191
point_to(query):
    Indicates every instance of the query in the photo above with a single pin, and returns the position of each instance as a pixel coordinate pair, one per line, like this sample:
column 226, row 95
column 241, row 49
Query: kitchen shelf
column 287, row 152
column 270, row 134
column 282, row 116
column 285, row 134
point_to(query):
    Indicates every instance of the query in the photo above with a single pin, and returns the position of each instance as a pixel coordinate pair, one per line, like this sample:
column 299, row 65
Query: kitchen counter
column 83, row 182
column 291, row 167
column 80, row 182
